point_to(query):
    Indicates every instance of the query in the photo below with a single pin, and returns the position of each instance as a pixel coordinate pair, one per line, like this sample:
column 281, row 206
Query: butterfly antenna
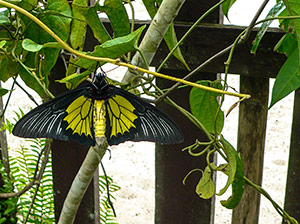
column 107, row 190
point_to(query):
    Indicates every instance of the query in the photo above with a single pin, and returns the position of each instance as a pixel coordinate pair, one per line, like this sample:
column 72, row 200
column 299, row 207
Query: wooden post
column 292, row 195
column 175, row 202
column 251, row 143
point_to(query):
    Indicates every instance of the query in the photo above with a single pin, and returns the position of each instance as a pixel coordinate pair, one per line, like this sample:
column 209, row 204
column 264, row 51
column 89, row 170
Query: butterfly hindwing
column 59, row 119
column 131, row 118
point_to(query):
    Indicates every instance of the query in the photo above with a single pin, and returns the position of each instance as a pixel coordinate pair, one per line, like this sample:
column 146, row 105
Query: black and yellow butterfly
column 98, row 109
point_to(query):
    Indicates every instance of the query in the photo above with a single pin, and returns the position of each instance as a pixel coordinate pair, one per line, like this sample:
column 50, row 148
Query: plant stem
column 82, row 181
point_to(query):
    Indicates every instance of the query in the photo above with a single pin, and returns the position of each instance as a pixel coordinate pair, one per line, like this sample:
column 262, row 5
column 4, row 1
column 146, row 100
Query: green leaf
column 275, row 11
column 98, row 29
column 293, row 8
column 78, row 28
column 38, row 83
column 204, row 106
column 113, row 48
column 2, row 43
column 238, row 186
column 31, row 46
column 3, row 91
column 288, row 78
column 117, row 14
column 4, row 17
column 75, row 79
column 151, row 6
column 287, row 44
column 226, row 6
column 171, row 41
column 232, row 164
column 8, row 68
column 206, row 187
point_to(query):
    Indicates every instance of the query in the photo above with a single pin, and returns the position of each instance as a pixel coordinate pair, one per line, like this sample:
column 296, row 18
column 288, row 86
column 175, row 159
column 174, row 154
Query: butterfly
column 98, row 109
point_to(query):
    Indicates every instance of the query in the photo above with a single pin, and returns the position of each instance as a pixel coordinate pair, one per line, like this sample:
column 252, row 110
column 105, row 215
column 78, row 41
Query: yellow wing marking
column 79, row 116
column 99, row 118
column 121, row 115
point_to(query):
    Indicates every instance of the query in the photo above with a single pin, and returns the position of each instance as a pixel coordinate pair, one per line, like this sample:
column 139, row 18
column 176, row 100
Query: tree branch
column 82, row 181
column 163, row 18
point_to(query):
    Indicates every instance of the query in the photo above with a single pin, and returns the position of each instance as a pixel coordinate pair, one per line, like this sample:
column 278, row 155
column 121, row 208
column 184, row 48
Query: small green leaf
column 171, row 41
column 2, row 43
column 226, row 6
column 31, row 46
column 3, row 220
column 275, row 11
column 3, row 91
column 232, row 164
column 206, row 187
column 204, row 106
column 75, row 79
column 288, row 78
column 238, row 186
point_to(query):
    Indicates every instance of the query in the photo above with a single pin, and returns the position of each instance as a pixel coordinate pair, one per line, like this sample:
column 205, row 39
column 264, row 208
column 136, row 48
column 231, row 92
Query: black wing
column 128, row 117
column 47, row 120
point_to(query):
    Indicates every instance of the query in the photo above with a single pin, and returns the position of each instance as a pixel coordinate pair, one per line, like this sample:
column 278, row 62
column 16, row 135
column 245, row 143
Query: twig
column 107, row 191
column 12, row 87
column 27, row 93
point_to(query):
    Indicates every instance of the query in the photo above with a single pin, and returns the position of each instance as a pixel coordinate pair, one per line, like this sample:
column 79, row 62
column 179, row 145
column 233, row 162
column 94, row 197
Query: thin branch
column 10, row 92
column 36, row 175
column 253, row 22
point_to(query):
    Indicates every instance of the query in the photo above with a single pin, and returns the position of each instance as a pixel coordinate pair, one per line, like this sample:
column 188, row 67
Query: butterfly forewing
column 48, row 119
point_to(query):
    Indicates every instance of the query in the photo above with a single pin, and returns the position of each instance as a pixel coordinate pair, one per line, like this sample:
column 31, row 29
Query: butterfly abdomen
column 99, row 118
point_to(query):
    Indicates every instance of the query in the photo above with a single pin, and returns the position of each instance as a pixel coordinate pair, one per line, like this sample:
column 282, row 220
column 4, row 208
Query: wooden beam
column 206, row 40
column 251, row 143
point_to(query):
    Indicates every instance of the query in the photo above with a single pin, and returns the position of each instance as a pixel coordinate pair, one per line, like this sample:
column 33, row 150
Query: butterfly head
column 100, row 81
